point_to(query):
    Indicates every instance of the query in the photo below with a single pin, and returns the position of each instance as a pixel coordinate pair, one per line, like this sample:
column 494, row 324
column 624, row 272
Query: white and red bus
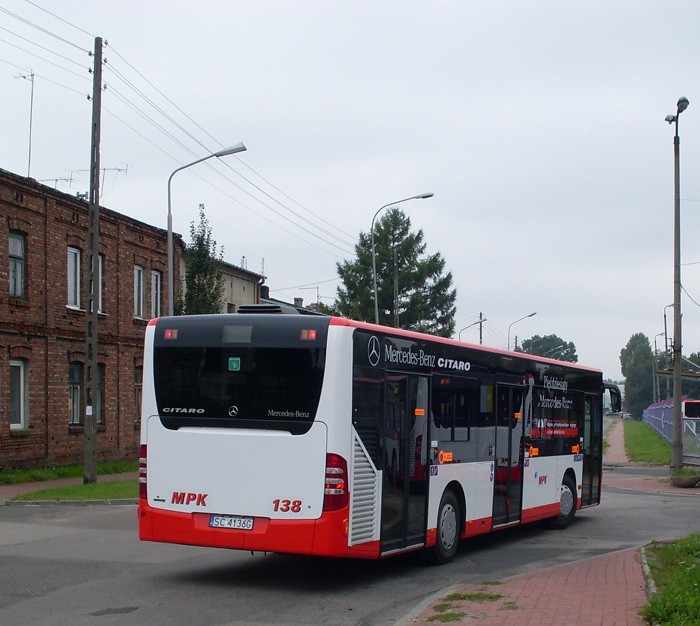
column 319, row 435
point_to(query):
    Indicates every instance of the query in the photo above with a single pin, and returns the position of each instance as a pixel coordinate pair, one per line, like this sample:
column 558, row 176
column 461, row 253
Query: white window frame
column 156, row 291
column 75, row 396
column 73, row 278
column 138, row 390
column 18, row 263
column 19, row 414
column 138, row 291
column 100, row 283
column 99, row 402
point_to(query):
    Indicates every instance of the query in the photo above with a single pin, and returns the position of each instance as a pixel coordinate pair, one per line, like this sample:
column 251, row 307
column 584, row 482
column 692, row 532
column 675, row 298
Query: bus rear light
column 336, row 494
column 143, row 490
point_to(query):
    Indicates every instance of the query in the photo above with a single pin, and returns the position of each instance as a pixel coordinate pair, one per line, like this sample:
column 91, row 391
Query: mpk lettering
column 180, row 497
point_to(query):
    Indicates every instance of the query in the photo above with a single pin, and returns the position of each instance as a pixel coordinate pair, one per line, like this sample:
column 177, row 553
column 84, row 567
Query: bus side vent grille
column 364, row 502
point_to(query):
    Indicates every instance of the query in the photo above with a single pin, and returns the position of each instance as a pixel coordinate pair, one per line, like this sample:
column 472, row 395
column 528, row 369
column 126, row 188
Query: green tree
column 550, row 346
column 204, row 287
column 323, row 308
column 636, row 362
column 414, row 292
column 691, row 386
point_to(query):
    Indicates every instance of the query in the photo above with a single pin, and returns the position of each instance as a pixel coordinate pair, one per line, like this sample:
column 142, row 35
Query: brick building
column 43, row 324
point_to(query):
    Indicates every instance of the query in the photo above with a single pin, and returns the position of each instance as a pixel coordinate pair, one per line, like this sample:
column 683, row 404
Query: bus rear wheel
column 567, row 505
column 447, row 529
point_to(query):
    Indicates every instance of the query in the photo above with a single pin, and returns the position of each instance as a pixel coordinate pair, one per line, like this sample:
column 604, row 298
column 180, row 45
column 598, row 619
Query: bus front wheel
column 567, row 505
column 447, row 529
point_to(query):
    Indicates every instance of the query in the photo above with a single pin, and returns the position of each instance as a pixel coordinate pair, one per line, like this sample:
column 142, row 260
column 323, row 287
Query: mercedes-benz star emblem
column 233, row 411
column 373, row 351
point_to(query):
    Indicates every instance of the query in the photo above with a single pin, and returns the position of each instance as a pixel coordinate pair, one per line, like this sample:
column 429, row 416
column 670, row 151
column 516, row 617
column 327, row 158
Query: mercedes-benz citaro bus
column 319, row 435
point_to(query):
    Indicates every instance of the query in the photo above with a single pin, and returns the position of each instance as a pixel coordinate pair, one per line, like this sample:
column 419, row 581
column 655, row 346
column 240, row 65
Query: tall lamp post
column 677, row 443
column 654, row 366
column 516, row 321
column 421, row 196
column 239, row 147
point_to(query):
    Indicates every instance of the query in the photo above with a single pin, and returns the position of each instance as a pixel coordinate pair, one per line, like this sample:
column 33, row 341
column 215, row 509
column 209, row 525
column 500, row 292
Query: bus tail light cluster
column 143, row 491
column 336, row 495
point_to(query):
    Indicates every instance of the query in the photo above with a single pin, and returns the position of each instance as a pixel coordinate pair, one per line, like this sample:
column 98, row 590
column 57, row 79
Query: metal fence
column 660, row 417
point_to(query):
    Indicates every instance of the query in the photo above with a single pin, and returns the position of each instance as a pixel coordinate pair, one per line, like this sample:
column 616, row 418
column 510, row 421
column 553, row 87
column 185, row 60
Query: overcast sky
column 539, row 126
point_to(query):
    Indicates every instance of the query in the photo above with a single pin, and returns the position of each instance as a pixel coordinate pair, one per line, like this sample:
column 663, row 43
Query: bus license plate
column 229, row 521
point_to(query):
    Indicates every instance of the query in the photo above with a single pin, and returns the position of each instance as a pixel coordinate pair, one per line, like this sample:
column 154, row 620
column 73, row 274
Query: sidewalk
column 612, row 587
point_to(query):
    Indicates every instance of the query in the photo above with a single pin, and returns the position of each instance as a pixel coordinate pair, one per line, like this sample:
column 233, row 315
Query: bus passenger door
column 592, row 450
column 404, row 488
column 508, row 471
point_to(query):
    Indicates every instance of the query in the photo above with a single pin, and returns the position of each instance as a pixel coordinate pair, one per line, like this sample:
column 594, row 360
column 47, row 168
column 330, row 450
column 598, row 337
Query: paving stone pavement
column 615, row 580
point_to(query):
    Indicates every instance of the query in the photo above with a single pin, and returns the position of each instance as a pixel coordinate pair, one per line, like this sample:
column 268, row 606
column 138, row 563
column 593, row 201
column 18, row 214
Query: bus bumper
column 326, row 536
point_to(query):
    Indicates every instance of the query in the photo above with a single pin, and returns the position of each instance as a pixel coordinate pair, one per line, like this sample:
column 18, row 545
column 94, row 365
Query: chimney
column 264, row 292
column 299, row 302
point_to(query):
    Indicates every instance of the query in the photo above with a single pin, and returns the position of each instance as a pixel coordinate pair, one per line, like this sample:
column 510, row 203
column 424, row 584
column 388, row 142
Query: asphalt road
column 85, row 565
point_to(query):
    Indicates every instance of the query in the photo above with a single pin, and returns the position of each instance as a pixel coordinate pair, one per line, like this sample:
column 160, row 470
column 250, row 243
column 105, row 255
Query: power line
column 250, row 182
column 313, row 284
column 9, row 43
column 65, row 58
column 58, row 17
column 344, row 247
column 212, row 138
column 43, row 30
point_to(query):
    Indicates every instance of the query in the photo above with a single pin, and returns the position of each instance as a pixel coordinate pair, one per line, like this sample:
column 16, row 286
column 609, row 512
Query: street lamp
column 677, row 443
column 421, row 196
column 479, row 321
column 239, row 147
column 560, row 348
column 654, row 366
column 516, row 321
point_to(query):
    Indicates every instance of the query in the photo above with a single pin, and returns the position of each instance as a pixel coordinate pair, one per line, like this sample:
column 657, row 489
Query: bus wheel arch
column 568, row 502
column 450, row 521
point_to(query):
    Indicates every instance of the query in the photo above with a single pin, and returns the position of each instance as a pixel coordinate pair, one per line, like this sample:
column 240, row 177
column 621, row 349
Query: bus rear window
column 238, row 387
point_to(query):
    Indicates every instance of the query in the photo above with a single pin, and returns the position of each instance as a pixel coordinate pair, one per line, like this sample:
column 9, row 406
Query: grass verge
column 13, row 477
column 644, row 445
column 115, row 490
column 675, row 568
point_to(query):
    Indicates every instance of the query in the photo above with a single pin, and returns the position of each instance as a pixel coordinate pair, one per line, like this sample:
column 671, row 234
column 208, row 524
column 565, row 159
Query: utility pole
column 481, row 329
column 92, row 388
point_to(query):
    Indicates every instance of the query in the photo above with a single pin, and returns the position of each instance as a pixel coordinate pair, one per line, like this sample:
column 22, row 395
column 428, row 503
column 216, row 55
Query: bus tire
column 447, row 540
column 567, row 505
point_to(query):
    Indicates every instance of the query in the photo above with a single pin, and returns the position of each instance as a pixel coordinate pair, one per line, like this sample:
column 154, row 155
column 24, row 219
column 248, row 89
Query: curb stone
column 118, row 502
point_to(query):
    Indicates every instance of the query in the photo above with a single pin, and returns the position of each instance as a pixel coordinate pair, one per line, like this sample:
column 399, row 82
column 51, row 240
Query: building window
column 138, row 291
column 100, row 283
column 75, row 393
column 100, row 400
column 18, row 395
column 138, row 388
column 17, row 265
column 156, row 289
column 74, row 278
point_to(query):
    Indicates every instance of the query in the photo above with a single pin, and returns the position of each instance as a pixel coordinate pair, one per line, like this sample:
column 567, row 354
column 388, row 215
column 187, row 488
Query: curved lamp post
column 479, row 321
column 421, row 196
column 677, row 443
column 239, row 147
column 516, row 321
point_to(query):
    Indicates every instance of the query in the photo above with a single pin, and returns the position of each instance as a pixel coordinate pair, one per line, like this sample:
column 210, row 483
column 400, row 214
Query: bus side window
column 368, row 409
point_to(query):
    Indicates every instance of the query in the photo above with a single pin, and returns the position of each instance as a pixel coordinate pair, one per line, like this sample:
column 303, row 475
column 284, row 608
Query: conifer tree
column 204, row 287
column 414, row 292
